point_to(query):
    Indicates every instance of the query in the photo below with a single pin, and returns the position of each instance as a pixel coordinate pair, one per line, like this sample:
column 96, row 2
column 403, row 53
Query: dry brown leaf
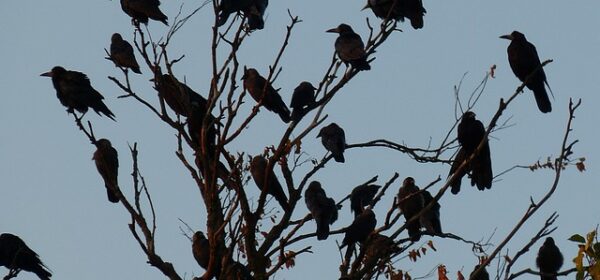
column 430, row 244
column 442, row 272
column 580, row 166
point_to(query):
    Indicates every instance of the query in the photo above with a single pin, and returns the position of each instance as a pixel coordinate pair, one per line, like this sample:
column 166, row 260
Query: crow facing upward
column 15, row 254
column 141, row 10
column 410, row 202
column 549, row 259
column 75, row 92
column 470, row 133
column 361, row 196
column 524, row 60
column 258, row 165
column 107, row 163
column 350, row 47
column 302, row 98
column 333, row 139
column 258, row 88
column 121, row 53
column 322, row 208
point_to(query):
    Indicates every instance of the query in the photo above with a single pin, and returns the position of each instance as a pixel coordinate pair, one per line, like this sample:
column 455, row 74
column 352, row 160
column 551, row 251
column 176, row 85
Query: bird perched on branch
column 302, row 98
column 107, row 163
column 255, row 14
column 254, row 10
column 141, row 10
column 384, row 8
column 525, row 62
column 201, row 249
column 360, row 228
column 333, row 139
column 121, row 53
column 227, row 7
column 16, row 255
column 260, row 90
column 178, row 95
column 378, row 247
column 322, row 208
column 258, row 166
column 75, row 92
column 430, row 220
column 238, row 271
column 350, row 47
column 410, row 202
column 398, row 10
column 481, row 275
column 362, row 196
column 470, row 133
column 549, row 259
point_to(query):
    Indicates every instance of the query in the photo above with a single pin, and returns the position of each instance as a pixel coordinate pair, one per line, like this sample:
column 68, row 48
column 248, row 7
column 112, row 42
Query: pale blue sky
column 53, row 197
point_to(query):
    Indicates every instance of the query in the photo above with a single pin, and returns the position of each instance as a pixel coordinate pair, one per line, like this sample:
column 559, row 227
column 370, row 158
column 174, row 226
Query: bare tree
column 266, row 233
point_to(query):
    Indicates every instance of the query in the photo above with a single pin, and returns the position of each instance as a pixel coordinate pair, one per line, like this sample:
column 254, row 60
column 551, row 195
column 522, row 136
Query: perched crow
column 470, row 133
column 258, row 88
column 15, row 254
column 384, row 8
column 201, row 249
column 350, row 47
column 411, row 203
column 238, row 271
column 360, row 228
column 255, row 13
column 141, row 10
column 195, row 129
column 227, row 7
column 333, row 139
column 482, row 275
column 254, row 10
column 361, row 197
column 303, row 97
column 75, row 92
column 549, row 259
column 430, row 220
column 258, row 165
column 121, row 53
column 411, row 9
column 107, row 163
column 379, row 246
column 177, row 95
column 322, row 208
column 524, row 60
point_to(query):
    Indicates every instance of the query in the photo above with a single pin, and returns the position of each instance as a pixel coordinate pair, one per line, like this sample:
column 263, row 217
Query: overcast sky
column 53, row 197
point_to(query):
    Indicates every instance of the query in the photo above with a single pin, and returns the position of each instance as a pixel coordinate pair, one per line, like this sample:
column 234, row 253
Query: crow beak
column 333, row 30
column 366, row 7
column 507, row 37
column 47, row 74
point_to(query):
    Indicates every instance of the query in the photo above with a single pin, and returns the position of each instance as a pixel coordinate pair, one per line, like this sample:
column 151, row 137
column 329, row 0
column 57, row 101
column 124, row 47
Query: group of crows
column 75, row 92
